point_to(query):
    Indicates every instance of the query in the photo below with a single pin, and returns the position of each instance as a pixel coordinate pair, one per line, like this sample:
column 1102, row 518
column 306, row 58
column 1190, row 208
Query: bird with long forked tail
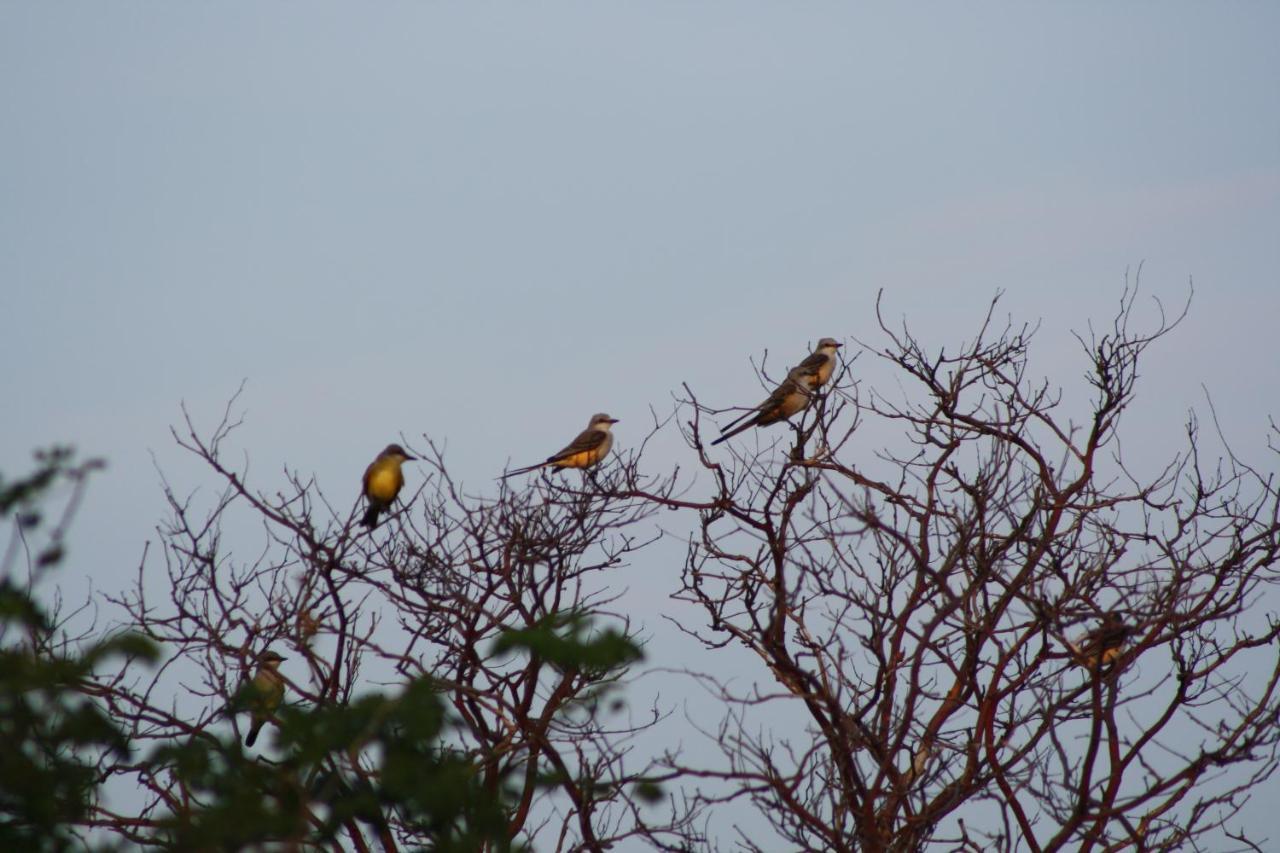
column 587, row 450
column 792, row 395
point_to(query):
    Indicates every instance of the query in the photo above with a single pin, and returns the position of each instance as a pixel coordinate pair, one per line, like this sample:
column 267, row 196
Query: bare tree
column 990, row 633
column 502, row 603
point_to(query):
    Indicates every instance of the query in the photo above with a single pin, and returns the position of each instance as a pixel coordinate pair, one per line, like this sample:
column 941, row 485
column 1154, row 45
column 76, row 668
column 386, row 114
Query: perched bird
column 815, row 370
column 792, row 395
column 268, row 693
column 382, row 482
column 585, row 451
column 1102, row 646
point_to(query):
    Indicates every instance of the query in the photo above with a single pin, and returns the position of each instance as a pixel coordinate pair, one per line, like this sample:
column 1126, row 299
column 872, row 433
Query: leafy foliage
column 242, row 800
column 337, row 764
column 566, row 640
column 50, row 732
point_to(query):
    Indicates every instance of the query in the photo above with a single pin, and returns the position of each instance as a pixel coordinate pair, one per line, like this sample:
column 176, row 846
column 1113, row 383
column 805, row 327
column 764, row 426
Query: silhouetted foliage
column 50, row 732
column 307, row 796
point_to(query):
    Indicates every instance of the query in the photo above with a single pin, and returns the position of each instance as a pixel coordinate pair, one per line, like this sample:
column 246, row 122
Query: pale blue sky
column 486, row 221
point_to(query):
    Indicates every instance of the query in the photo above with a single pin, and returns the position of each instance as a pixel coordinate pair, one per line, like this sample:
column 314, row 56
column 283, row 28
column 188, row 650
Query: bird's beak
column 613, row 420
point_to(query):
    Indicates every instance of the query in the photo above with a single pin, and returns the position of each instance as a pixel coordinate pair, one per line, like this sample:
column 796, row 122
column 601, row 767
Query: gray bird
column 585, row 451
column 792, row 395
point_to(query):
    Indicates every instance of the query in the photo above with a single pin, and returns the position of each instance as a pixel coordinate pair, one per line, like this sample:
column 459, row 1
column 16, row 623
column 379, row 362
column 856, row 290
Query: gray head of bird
column 270, row 660
column 395, row 451
column 829, row 344
column 601, row 421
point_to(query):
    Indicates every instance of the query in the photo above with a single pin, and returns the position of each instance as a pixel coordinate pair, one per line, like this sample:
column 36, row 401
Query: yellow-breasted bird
column 268, row 693
column 1103, row 645
column 585, row 451
column 383, row 480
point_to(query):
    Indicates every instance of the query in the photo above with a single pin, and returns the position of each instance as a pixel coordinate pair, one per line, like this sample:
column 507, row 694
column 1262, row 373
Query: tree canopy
column 971, row 625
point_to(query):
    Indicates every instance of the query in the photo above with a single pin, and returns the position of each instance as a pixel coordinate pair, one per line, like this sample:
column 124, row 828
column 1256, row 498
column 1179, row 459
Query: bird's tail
column 739, row 419
column 525, row 470
column 730, row 433
column 252, row 737
column 370, row 519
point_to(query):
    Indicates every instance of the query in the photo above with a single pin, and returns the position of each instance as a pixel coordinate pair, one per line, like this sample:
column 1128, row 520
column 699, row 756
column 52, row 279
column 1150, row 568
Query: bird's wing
column 771, row 402
column 588, row 439
column 769, row 412
column 779, row 395
column 1111, row 636
column 775, row 408
column 815, row 370
column 1094, row 646
column 812, row 364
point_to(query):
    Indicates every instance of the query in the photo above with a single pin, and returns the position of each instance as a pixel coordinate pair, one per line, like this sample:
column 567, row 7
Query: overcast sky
column 486, row 221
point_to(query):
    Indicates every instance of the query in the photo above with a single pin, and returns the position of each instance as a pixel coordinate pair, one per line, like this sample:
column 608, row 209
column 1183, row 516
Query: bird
column 1104, row 645
column 792, row 395
column 821, row 363
column 585, row 451
column 268, row 693
column 382, row 482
